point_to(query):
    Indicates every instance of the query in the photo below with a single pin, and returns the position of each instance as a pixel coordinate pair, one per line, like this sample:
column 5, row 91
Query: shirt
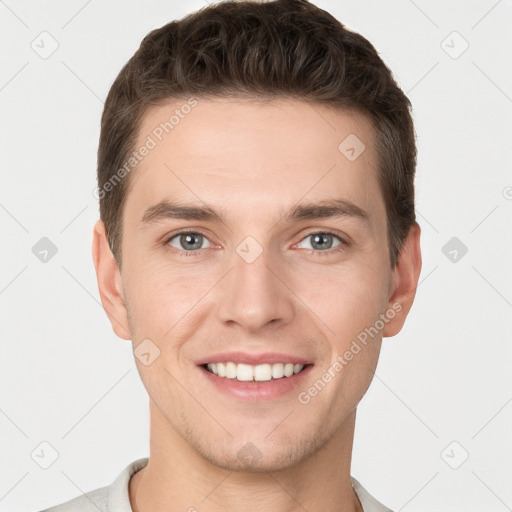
column 115, row 497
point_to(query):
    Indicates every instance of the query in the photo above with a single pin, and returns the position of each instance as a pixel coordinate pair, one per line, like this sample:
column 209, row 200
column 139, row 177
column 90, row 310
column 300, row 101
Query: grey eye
column 321, row 241
column 189, row 241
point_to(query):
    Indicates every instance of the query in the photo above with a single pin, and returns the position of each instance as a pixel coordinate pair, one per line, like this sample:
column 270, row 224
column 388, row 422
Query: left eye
column 322, row 241
column 188, row 241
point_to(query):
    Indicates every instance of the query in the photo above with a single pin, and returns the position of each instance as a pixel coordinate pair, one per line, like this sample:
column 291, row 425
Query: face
column 255, row 246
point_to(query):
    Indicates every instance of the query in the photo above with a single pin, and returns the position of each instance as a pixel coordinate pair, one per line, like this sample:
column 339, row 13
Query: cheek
column 162, row 299
column 347, row 300
column 149, row 297
column 351, row 308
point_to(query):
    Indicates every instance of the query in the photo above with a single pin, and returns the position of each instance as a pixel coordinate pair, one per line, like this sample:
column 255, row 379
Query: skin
column 251, row 160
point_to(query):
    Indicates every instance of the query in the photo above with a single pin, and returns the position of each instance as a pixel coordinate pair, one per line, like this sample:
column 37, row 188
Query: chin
column 259, row 456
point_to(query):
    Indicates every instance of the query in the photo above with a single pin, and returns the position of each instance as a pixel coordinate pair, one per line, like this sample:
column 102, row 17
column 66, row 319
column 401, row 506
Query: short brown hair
column 286, row 48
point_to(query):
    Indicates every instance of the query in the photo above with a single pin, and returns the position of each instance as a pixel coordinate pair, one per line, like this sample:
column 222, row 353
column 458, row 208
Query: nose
column 255, row 294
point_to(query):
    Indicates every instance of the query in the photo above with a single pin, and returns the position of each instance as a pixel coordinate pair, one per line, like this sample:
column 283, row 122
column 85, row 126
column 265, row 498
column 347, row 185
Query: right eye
column 188, row 241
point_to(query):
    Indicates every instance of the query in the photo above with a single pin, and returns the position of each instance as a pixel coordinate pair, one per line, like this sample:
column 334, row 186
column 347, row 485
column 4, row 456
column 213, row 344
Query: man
column 257, row 240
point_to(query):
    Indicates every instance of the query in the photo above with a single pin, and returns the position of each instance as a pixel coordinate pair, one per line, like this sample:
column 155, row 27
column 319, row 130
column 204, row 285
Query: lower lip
column 257, row 391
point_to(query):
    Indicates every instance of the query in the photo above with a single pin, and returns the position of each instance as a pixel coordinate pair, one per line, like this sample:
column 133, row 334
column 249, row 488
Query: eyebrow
column 310, row 211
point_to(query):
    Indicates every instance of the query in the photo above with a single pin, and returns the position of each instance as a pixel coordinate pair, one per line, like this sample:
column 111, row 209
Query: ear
column 404, row 281
column 110, row 283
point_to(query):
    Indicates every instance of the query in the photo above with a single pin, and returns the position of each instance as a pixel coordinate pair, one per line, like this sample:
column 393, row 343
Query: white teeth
column 277, row 371
column 231, row 370
column 259, row 373
column 288, row 369
column 263, row 372
column 244, row 372
column 212, row 367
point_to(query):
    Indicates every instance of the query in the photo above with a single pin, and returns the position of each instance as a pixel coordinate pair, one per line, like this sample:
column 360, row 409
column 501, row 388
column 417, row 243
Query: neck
column 177, row 478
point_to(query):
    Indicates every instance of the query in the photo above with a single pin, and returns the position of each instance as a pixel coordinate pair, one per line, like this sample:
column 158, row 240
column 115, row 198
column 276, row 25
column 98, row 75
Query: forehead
column 253, row 153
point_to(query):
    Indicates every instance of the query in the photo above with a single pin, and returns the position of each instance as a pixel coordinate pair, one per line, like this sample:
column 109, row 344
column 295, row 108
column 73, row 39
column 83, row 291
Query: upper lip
column 252, row 359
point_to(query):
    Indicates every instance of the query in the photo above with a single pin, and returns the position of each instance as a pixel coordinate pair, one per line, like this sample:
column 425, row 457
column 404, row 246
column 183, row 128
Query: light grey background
column 67, row 380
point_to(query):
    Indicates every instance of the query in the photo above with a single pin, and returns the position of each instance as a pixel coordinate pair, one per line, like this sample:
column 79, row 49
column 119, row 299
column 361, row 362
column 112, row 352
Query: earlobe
column 110, row 283
column 405, row 281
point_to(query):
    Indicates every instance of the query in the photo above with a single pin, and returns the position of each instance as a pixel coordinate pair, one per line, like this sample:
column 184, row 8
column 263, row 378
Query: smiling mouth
column 257, row 373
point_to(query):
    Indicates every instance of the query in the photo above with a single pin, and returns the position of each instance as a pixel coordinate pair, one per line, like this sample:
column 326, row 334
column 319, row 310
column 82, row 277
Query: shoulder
column 368, row 502
column 112, row 498
column 93, row 501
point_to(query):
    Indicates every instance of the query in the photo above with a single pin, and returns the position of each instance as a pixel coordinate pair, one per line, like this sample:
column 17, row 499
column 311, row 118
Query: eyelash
column 342, row 246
